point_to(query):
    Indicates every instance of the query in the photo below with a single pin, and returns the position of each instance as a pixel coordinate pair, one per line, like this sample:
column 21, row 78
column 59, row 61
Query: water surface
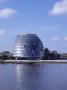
column 33, row 76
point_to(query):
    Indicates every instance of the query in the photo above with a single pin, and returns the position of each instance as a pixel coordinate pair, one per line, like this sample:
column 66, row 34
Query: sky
column 46, row 18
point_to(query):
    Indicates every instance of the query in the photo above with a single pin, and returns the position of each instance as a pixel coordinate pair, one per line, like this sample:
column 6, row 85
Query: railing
column 33, row 61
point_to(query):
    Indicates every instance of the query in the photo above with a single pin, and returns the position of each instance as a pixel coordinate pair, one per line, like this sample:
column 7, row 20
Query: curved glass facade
column 28, row 46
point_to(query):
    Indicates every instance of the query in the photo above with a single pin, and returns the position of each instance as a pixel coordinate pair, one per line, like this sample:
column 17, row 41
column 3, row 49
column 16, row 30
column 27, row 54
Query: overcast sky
column 46, row 18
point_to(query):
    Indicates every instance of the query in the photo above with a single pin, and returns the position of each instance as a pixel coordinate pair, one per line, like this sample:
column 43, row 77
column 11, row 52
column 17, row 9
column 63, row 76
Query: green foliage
column 6, row 55
column 50, row 55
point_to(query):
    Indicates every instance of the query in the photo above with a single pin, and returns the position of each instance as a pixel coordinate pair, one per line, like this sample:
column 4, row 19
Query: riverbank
column 32, row 61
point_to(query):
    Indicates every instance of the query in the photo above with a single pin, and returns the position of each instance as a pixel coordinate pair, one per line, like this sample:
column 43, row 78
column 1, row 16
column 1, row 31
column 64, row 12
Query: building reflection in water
column 29, row 76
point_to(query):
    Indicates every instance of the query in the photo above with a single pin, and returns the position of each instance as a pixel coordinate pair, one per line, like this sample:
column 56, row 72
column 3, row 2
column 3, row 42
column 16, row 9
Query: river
column 33, row 76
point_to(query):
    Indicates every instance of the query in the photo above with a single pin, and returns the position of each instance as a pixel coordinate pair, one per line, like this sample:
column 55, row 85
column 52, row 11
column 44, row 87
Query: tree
column 52, row 55
column 6, row 55
column 46, row 54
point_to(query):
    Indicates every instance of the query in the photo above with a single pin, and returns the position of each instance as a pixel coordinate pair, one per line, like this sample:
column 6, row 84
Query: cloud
column 49, row 27
column 58, row 38
column 5, row 13
column 65, row 38
column 55, row 38
column 59, row 8
column 2, row 31
column 4, row 0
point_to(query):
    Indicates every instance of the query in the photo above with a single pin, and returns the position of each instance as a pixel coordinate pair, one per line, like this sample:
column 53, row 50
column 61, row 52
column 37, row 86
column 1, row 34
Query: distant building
column 28, row 46
column 64, row 56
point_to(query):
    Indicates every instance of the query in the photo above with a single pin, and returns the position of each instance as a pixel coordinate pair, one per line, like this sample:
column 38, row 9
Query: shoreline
column 32, row 61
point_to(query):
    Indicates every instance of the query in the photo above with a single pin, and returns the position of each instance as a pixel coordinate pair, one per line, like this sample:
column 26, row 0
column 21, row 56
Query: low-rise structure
column 64, row 56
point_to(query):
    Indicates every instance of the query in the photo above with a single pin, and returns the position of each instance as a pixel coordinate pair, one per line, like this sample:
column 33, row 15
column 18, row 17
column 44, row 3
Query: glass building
column 28, row 46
